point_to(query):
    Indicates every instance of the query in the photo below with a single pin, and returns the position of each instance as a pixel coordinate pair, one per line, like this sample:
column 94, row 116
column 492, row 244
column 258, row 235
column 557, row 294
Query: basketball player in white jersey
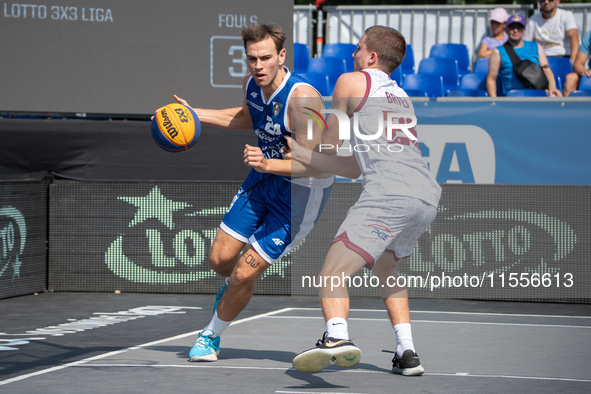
column 399, row 199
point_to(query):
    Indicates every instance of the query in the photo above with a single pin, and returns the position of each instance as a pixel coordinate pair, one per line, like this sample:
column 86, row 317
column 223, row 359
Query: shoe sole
column 208, row 358
column 415, row 371
column 315, row 360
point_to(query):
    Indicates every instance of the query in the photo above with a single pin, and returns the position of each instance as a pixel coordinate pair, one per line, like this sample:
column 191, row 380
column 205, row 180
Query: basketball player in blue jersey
column 399, row 200
column 278, row 203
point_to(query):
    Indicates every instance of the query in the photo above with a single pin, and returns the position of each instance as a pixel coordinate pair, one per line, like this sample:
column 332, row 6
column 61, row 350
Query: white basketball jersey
column 390, row 162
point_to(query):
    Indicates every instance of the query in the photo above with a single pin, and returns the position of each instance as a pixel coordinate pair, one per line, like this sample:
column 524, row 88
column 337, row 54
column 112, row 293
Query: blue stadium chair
column 458, row 52
column 341, row 50
column 333, row 67
column 447, row 68
column 397, row 76
column 432, row 84
column 468, row 93
column 560, row 66
column 408, row 64
column 415, row 93
column 526, row 93
column 580, row 93
column 473, row 81
column 318, row 80
column 481, row 66
column 585, row 83
column 301, row 57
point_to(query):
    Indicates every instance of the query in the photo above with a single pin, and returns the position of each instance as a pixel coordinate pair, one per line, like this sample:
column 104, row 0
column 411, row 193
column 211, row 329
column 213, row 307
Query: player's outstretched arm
column 253, row 157
column 237, row 118
column 346, row 166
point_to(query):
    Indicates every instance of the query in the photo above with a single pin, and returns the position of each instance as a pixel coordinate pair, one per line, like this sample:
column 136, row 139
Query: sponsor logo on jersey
column 276, row 108
column 381, row 231
column 272, row 128
column 278, row 242
column 257, row 107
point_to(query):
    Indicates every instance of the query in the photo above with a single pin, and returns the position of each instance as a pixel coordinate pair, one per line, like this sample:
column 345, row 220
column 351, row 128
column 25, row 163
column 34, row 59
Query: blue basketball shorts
column 274, row 214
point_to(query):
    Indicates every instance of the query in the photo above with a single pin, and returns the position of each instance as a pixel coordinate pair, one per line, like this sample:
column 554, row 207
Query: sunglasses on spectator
column 543, row 1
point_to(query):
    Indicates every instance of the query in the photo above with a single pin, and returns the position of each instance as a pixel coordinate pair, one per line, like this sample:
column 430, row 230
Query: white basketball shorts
column 376, row 224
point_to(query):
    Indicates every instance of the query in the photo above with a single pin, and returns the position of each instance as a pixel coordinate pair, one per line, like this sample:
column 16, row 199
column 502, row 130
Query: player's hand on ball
column 253, row 156
column 181, row 100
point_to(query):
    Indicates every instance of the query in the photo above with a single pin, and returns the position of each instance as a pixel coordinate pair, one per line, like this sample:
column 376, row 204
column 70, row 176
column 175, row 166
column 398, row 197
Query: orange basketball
column 176, row 127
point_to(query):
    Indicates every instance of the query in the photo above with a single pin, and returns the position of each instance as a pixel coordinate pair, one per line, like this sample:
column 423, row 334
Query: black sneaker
column 408, row 365
column 343, row 353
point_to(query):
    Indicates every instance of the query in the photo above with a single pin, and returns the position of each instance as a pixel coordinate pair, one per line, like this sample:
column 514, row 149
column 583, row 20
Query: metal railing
column 303, row 25
column 422, row 25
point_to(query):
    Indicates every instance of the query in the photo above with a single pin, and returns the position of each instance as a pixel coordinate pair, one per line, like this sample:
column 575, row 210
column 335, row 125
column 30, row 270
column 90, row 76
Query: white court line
column 439, row 321
column 460, row 375
column 458, row 313
column 310, row 392
column 113, row 353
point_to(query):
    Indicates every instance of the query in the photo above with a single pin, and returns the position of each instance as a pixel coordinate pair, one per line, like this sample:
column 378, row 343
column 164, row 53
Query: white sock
column 403, row 338
column 337, row 328
column 217, row 325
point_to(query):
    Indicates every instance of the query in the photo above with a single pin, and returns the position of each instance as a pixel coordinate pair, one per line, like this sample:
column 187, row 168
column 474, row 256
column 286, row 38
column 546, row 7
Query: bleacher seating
column 333, row 67
column 560, row 66
column 341, row 50
column 473, row 81
column 468, row 93
column 301, row 57
column 447, row 65
column 415, row 93
column 458, row 52
column 585, row 83
column 432, row 84
column 580, row 93
column 447, row 68
column 481, row 66
column 318, row 80
column 526, row 93
column 397, row 76
column 408, row 64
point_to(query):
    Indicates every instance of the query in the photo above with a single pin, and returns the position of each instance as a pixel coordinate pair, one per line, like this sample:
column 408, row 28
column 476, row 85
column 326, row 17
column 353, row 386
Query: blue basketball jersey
column 269, row 115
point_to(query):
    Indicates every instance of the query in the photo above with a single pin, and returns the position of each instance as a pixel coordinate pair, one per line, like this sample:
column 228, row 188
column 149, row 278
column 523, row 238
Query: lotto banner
column 23, row 229
column 487, row 242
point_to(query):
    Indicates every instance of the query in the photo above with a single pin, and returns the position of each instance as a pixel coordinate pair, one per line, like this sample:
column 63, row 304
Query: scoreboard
column 127, row 57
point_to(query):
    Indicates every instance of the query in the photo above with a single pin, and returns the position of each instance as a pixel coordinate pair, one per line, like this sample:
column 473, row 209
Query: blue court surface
column 139, row 343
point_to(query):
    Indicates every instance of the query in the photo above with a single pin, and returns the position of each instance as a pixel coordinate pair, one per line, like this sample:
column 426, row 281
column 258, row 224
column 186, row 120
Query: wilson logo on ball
column 176, row 127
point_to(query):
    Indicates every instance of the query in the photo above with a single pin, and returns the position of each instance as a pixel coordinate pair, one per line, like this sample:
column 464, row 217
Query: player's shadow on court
column 228, row 353
column 316, row 380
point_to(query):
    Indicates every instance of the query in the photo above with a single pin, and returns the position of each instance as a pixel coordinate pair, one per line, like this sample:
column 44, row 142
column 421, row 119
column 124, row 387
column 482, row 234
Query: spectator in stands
column 499, row 62
column 497, row 20
column 572, row 80
column 554, row 29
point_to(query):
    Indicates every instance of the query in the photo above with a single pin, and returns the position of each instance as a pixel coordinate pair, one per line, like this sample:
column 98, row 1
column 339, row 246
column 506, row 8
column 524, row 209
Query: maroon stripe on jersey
column 366, row 95
column 350, row 245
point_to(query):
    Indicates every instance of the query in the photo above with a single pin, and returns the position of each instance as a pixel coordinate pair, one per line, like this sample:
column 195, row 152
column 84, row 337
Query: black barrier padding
column 116, row 150
column 140, row 237
column 155, row 237
column 498, row 242
column 23, row 229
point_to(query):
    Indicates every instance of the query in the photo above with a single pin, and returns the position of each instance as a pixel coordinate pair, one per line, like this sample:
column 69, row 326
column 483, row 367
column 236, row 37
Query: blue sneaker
column 206, row 348
column 218, row 297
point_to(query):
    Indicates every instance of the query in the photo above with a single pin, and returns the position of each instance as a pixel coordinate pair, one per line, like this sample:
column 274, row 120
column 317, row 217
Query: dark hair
column 388, row 43
column 258, row 33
